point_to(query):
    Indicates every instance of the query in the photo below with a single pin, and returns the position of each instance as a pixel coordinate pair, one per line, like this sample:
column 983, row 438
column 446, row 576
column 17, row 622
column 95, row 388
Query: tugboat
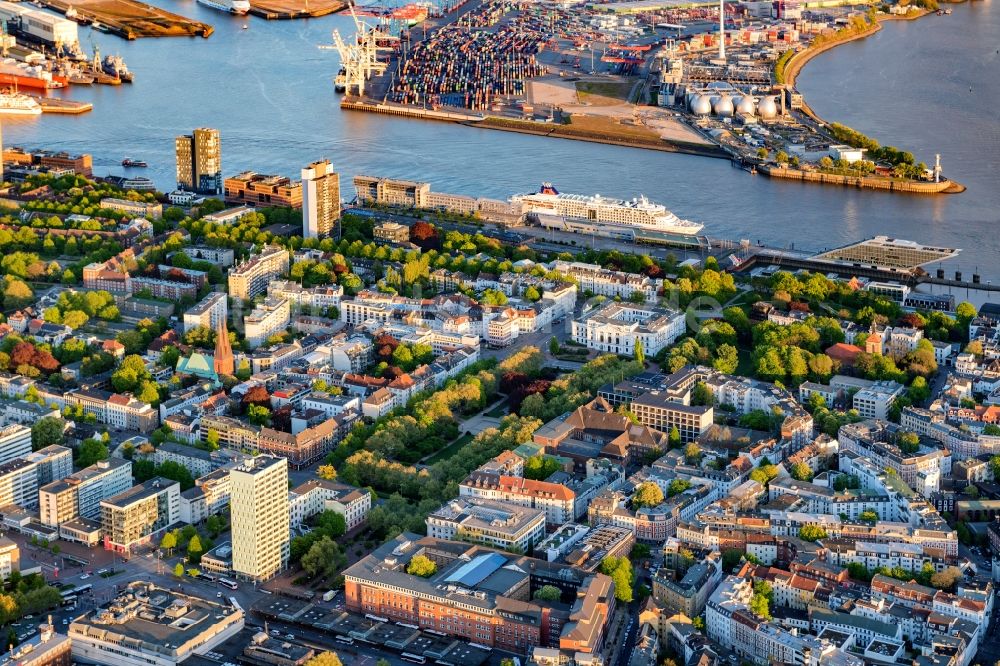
column 113, row 65
column 137, row 164
column 340, row 81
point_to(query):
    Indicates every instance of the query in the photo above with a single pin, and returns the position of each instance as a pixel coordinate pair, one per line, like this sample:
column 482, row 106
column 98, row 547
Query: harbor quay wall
column 868, row 182
column 410, row 112
column 569, row 132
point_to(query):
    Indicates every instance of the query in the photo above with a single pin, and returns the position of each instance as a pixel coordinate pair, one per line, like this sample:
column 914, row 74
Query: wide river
column 930, row 86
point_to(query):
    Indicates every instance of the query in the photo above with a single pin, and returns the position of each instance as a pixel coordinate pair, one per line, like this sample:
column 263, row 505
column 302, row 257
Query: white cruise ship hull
column 611, row 214
column 20, row 112
column 237, row 7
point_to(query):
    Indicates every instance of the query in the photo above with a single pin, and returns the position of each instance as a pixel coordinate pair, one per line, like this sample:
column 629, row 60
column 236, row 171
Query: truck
column 329, row 595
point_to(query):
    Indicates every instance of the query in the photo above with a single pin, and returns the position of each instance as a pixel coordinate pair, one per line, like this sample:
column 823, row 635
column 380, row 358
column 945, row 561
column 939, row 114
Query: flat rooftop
column 144, row 490
column 153, row 619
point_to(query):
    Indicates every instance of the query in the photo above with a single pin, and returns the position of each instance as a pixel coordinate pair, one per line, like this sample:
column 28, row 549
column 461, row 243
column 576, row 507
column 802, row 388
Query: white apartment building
column 80, row 493
column 197, row 461
column 355, row 312
column 331, row 405
column 320, row 200
column 908, row 556
column 126, row 413
column 19, row 483
column 251, row 277
column 502, row 331
column 54, row 463
column 268, row 318
column 874, row 402
column 221, row 256
column 318, row 495
column 617, row 327
column 487, row 522
column 133, row 518
column 138, row 208
column 10, row 556
column 260, row 517
column 15, row 442
column 899, row 341
column 319, row 297
column 872, row 399
column 209, row 497
column 603, row 282
column 351, row 355
column 209, row 312
column 869, row 439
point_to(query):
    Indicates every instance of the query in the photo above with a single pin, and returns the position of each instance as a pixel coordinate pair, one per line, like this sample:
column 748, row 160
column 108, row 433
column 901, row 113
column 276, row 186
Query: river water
column 268, row 89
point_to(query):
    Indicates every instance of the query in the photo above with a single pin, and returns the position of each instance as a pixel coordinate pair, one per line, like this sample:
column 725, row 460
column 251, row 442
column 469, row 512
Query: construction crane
column 358, row 56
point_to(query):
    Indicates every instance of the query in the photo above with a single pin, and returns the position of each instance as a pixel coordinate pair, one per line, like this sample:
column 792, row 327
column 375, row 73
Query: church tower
column 224, row 364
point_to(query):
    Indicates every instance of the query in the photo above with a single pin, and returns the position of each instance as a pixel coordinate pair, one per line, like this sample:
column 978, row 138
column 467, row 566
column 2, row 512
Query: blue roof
column 476, row 570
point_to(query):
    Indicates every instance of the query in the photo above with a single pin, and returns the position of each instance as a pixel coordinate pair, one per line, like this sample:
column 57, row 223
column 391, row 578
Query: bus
column 346, row 640
column 231, row 584
column 69, row 600
column 83, row 589
column 413, row 658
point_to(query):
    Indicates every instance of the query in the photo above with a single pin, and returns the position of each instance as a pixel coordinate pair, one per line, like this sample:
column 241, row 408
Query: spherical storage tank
column 724, row 106
column 767, row 108
column 701, row 106
column 745, row 105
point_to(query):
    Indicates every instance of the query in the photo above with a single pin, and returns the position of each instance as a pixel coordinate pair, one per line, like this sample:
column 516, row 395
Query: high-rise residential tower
column 259, row 506
column 320, row 201
column 199, row 161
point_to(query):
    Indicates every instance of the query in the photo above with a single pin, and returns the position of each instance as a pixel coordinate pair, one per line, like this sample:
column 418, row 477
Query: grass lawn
column 745, row 299
column 597, row 92
column 605, row 126
column 450, row 450
column 498, row 412
column 745, row 366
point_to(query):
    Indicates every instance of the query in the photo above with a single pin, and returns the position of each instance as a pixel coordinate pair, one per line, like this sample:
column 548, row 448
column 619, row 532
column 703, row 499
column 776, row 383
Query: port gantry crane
column 358, row 57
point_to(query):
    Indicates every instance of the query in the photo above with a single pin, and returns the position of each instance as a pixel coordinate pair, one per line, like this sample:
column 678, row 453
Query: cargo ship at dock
column 22, row 75
column 552, row 208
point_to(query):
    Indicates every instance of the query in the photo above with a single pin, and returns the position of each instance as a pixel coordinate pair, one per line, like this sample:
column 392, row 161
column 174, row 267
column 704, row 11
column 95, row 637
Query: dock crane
column 358, row 56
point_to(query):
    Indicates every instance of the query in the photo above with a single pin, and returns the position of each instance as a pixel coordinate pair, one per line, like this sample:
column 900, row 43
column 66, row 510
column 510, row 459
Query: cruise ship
column 636, row 214
column 238, row 7
column 12, row 103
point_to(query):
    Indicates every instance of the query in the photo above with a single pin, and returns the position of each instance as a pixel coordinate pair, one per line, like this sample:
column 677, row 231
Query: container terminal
column 706, row 78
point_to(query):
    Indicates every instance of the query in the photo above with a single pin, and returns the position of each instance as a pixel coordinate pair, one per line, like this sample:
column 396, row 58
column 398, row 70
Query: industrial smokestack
column 722, row 30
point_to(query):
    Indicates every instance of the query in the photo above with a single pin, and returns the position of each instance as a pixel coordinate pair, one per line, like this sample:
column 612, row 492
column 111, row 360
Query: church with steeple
column 224, row 364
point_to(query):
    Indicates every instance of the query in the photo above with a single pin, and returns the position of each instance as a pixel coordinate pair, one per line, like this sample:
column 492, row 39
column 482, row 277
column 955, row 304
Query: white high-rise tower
column 320, row 201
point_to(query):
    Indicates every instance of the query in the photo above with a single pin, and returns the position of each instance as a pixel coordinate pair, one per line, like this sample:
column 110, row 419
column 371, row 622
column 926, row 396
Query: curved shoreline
column 792, row 70
column 795, row 64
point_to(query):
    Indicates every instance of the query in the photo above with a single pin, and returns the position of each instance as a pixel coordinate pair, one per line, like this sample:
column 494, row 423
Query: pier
column 59, row 105
column 294, row 9
column 131, row 19
column 864, row 182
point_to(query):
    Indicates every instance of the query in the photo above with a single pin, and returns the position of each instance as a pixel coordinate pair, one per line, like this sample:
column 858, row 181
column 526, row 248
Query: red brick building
column 482, row 595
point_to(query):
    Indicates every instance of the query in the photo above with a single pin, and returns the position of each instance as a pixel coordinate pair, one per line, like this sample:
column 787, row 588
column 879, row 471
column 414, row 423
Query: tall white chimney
column 722, row 30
